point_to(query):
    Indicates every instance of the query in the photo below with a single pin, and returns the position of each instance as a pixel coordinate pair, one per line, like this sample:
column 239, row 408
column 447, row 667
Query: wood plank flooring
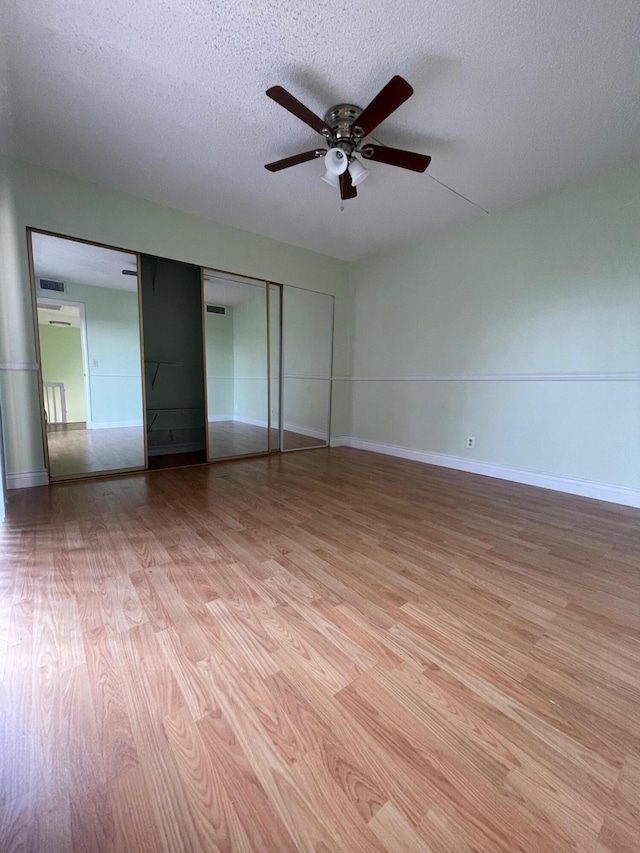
column 327, row 651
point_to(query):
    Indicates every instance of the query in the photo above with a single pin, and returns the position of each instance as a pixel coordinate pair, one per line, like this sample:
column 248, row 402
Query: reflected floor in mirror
column 74, row 449
column 233, row 438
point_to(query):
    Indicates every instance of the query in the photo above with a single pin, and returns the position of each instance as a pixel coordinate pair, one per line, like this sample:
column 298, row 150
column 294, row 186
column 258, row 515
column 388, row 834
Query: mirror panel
column 236, row 358
column 308, row 346
column 89, row 334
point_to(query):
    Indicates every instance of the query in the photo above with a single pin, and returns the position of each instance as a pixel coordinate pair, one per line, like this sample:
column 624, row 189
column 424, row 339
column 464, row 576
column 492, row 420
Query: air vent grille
column 49, row 284
column 216, row 309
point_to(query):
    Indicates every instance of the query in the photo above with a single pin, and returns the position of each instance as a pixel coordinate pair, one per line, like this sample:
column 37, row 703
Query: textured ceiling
column 166, row 100
column 231, row 291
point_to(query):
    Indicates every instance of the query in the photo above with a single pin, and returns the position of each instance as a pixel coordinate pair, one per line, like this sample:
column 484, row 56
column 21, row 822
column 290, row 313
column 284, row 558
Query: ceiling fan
column 345, row 128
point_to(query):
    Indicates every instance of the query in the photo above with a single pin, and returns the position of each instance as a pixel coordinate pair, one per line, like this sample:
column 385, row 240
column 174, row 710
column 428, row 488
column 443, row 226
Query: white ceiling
column 69, row 260
column 231, row 290
column 166, row 100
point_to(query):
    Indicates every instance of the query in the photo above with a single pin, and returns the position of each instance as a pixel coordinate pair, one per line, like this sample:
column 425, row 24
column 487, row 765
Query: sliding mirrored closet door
column 242, row 384
column 307, row 329
column 88, row 323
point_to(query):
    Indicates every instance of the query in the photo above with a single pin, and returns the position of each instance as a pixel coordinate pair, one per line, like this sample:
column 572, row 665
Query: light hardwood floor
column 327, row 651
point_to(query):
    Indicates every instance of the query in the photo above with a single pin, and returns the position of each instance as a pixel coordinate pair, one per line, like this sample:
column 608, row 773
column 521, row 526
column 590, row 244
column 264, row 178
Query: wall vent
column 49, row 284
column 216, row 309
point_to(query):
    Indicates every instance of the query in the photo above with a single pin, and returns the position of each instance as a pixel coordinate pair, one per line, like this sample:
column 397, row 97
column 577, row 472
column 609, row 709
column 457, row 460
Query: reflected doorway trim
column 30, row 231
column 88, row 411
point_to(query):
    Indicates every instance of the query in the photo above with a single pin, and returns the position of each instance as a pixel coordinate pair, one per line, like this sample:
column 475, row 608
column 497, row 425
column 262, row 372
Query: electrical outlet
column 471, row 442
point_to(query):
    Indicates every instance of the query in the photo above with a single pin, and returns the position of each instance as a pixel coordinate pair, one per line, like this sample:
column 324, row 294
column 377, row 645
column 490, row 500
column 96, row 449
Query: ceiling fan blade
column 347, row 190
column 395, row 93
column 396, row 157
column 293, row 161
column 287, row 100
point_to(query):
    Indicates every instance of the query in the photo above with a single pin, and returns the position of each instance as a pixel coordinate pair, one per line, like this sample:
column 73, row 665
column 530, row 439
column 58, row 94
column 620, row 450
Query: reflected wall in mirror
column 89, row 333
column 308, row 346
column 238, row 345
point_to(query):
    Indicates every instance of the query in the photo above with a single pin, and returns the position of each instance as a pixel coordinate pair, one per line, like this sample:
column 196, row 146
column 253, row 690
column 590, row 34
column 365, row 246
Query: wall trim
column 616, row 376
column 27, row 479
column 572, row 486
column 322, row 377
column 19, row 365
column 97, row 375
column 114, row 424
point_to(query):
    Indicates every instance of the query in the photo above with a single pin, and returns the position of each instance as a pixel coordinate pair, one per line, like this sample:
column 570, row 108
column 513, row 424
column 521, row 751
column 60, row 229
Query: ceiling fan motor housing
column 340, row 119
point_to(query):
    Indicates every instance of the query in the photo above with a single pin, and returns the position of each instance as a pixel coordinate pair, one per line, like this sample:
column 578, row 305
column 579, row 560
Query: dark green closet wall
column 173, row 354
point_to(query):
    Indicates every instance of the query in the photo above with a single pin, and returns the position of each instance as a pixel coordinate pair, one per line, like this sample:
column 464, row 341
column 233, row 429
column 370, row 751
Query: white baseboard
column 311, row 433
column 113, row 424
column 251, row 421
column 569, row 485
column 27, row 479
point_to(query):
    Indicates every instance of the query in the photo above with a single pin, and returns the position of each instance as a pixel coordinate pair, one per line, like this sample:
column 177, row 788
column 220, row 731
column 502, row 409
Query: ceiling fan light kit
column 332, row 179
column 357, row 171
column 345, row 128
column 336, row 160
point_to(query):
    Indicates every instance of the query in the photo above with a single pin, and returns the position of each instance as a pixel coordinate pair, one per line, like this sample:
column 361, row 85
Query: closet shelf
column 158, row 365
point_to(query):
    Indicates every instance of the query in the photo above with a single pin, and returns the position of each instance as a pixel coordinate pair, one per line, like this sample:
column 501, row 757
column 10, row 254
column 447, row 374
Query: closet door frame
column 30, row 231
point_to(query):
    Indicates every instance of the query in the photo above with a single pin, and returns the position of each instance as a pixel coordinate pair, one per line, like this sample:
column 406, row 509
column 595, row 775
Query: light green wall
column 250, row 358
column 549, row 287
column 219, row 360
column 41, row 198
column 61, row 351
